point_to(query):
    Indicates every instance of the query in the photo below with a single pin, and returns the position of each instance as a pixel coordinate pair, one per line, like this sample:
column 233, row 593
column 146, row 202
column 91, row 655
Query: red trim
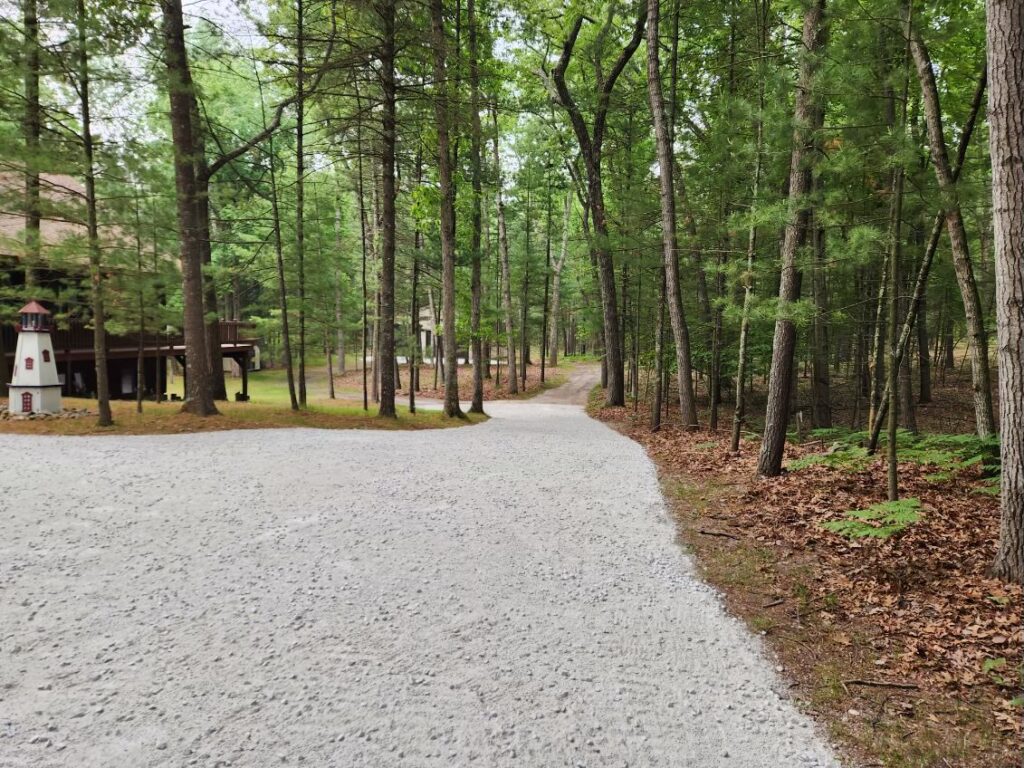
column 26, row 402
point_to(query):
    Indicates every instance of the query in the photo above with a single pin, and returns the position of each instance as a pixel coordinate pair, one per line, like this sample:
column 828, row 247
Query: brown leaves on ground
column 875, row 624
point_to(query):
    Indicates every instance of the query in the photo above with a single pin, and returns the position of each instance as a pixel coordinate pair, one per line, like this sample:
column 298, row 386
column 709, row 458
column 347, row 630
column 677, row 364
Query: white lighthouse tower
column 36, row 387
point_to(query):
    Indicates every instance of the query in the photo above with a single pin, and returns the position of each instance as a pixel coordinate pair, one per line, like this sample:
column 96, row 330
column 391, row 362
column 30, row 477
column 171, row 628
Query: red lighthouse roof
column 33, row 308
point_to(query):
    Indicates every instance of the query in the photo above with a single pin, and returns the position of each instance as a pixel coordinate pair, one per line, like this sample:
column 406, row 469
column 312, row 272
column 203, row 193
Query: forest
column 789, row 233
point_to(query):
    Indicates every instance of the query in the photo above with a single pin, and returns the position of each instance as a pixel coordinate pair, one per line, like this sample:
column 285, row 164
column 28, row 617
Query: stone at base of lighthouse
column 24, row 400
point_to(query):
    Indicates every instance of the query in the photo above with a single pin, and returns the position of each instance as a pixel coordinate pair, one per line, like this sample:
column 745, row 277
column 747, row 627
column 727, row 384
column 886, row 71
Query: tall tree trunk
column 339, row 315
column 33, row 128
column 217, row 384
column 924, row 363
column 547, row 285
column 181, row 94
column 444, row 174
column 386, row 320
column 203, row 222
column 556, row 283
column 282, row 290
column 590, row 143
column 669, row 243
column 821, row 389
column 879, row 407
column 339, row 328
column 375, row 264
column 282, row 284
column 300, row 190
column 512, row 381
column 876, row 364
column 980, row 378
column 524, row 304
column 414, row 314
column 895, row 220
column 659, row 357
column 92, row 225
column 361, row 194
column 740, row 410
column 807, row 112
column 895, row 257
column 1006, row 147
column 140, row 361
column 476, row 218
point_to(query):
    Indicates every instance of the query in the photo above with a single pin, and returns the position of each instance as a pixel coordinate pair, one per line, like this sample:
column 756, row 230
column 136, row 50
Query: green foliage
column 1000, row 672
column 948, row 454
column 879, row 521
column 849, row 458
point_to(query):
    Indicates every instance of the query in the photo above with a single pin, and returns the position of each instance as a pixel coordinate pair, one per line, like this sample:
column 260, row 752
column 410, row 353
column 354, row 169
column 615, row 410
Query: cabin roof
column 59, row 196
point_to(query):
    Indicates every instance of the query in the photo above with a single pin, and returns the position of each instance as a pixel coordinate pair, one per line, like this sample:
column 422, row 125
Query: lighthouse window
column 46, row 355
column 29, row 363
column 26, row 402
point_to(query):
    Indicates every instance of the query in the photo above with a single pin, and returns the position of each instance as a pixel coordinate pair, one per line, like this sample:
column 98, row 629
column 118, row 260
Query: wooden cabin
column 61, row 278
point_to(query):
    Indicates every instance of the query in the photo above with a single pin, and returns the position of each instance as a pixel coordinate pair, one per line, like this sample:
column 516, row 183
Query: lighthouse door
column 26, row 402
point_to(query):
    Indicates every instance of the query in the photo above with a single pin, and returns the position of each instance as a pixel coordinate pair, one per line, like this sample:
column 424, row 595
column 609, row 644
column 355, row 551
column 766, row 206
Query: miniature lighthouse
column 35, row 387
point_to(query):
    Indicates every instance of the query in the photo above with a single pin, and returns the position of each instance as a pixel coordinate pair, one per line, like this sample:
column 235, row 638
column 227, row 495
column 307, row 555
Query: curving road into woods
column 508, row 594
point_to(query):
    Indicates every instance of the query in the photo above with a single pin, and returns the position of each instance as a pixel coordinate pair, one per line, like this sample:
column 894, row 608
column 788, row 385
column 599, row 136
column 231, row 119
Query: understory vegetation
column 884, row 615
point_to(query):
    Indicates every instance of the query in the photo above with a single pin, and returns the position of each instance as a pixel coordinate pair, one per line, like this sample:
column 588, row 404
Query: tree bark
column 217, row 383
column 99, row 314
column 512, row 381
column 895, row 220
column 181, row 95
column 780, row 383
column 1005, row 31
column 476, row 218
column 556, row 283
column 669, row 242
column 140, row 362
column 590, row 143
column 386, row 319
column 444, row 173
column 300, row 189
column 981, row 383
column 821, row 389
column 33, row 128
column 740, row 410
column 877, row 414
column 524, row 303
column 924, row 363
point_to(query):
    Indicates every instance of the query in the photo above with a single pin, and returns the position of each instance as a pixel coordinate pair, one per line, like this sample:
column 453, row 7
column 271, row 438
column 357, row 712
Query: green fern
column 989, row 487
column 949, row 455
column 879, row 521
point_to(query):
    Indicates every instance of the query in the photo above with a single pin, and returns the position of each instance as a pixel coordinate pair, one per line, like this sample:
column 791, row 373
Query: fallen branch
column 717, row 533
column 883, row 684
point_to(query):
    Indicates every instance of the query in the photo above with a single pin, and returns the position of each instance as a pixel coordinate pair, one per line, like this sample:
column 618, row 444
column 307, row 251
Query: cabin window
column 46, row 355
column 29, row 363
column 26, row 402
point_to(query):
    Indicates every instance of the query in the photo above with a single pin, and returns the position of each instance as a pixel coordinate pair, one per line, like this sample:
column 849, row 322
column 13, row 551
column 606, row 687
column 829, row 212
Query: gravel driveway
column 507, row 594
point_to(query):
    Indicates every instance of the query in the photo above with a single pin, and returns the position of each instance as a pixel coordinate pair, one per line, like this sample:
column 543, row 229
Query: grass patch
column 269, row 408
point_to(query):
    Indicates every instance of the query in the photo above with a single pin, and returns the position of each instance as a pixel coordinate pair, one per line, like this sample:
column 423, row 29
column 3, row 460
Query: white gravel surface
column 507, row 594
